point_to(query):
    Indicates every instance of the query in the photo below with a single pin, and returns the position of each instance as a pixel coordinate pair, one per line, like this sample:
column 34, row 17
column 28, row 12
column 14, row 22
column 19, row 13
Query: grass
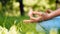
column 6, row 21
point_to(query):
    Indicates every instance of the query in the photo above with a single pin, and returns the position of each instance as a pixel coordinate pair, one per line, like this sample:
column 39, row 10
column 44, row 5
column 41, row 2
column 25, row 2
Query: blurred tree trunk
column 21, row 7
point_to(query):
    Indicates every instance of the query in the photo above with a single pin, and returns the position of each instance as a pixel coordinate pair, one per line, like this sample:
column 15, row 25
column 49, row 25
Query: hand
column 30, row 14
column 45, row 16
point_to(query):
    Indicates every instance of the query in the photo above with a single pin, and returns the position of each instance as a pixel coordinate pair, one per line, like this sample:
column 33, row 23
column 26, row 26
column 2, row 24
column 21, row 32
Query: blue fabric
column 49, row 24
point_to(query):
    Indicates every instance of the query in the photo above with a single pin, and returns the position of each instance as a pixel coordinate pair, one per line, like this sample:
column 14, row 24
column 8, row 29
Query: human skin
column 43, row 16
column 54, row 14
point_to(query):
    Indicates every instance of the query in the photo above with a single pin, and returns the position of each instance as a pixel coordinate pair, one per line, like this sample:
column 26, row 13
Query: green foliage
column 30, row 2
column 39, row 4
column 12, row 6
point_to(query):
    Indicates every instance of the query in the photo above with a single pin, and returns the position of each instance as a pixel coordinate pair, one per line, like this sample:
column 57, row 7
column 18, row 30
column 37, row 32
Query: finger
column 30, row 12
column 48, row 11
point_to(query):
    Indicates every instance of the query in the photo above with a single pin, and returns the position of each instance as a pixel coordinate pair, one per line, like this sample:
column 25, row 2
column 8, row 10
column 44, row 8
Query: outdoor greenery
column 11, row 22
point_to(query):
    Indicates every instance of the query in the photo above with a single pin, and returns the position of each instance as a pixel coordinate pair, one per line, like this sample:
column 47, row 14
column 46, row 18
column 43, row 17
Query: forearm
column 54, row 14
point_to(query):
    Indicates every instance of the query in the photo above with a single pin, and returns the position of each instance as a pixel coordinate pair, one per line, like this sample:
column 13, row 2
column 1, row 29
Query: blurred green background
column 11, row 21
